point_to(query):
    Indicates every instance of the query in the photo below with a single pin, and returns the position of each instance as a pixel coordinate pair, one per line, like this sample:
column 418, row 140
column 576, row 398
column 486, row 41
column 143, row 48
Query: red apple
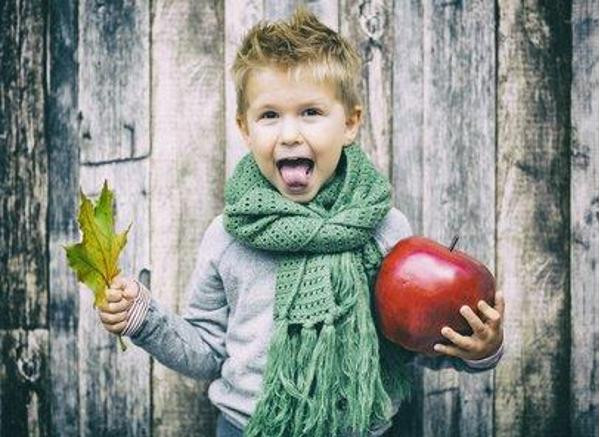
column 420, row 288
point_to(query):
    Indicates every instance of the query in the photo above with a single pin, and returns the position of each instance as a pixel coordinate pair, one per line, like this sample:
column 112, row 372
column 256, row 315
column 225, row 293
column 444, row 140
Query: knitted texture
column 325, row 374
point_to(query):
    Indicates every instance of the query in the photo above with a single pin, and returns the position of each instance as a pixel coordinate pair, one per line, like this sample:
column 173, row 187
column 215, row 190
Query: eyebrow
column 317, row 102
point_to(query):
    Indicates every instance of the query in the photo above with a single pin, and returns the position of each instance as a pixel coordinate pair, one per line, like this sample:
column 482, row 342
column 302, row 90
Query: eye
column 268, row 112
column 315, row 110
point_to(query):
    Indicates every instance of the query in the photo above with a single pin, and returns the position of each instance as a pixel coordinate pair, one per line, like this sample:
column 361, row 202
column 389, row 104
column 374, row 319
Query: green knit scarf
column 327, row 371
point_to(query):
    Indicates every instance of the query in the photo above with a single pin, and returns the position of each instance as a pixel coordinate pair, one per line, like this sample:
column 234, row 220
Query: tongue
column 295, row 174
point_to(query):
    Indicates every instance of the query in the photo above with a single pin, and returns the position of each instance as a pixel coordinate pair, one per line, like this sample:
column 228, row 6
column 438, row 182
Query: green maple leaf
column 95, row 259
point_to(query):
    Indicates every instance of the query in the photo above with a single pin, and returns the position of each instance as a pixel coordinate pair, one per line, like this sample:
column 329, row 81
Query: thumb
column 132, row 289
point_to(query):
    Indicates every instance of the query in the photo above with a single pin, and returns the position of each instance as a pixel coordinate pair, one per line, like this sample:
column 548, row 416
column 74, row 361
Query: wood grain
column 113, row 51
column 534, row 55
column 584, row 220
column 114, row 96
column 188, row 174
column 24, row 399
column 63, row 195
column 407, row 161
column 368, row 25
column 408, row 111
column 23, row 167
column 459, row 181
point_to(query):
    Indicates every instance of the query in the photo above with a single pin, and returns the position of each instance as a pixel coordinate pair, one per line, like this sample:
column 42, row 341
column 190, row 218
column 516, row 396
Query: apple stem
column 454, row 241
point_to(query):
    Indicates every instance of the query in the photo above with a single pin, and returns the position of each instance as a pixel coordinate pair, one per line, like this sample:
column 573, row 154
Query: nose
column 289, row 131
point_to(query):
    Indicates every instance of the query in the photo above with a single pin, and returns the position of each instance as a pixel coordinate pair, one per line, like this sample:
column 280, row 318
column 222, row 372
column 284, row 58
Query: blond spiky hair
column 301, row 44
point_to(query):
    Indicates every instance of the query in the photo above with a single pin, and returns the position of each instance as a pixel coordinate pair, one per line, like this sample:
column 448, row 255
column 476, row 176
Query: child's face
column 288, row 119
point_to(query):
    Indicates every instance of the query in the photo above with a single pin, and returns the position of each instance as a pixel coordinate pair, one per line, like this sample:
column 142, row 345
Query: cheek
column 265, row 162
column 329, row 159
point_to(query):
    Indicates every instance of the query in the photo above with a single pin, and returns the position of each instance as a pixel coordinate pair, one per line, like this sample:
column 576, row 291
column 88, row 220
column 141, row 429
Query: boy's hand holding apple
column 487, row 336
column 120, row 297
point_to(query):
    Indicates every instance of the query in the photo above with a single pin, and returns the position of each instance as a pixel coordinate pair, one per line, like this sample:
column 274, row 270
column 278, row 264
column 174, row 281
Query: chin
column 298, row 198
column 304, row 198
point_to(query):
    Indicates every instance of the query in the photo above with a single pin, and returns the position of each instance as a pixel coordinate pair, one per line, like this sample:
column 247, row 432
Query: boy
column 278, row 306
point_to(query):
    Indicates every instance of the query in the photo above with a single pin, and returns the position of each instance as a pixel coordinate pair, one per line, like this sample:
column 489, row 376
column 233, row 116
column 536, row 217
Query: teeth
column 294, row 159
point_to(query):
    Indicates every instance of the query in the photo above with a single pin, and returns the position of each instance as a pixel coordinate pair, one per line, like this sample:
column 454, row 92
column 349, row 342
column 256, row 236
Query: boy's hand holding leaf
column 120, row 297
column 95, row 259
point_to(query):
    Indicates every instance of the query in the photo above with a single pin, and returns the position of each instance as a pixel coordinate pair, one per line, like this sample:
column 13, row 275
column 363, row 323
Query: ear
column 353, row 122
column 243, row 128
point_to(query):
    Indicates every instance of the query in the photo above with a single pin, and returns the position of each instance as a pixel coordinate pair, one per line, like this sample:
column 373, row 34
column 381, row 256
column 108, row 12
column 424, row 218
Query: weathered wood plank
column 278, row 10
column 115, row 124
column 407, row 160
column 23, row 167
column 325, row 11
column 188, row 174
column 408, row 109
column 239, row 17
column 368, row 25
column 24, row 398
column 114, row 48
column 63, row 189
column 459, row 183
column 584, row 219
column 534, row 55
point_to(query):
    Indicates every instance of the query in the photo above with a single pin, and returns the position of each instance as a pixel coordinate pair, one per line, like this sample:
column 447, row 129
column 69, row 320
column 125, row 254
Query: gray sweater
column 224, row 330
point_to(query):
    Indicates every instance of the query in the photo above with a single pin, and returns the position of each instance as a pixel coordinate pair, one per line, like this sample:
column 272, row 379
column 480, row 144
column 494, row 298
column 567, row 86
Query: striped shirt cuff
column 486, row 362
column 137, row 312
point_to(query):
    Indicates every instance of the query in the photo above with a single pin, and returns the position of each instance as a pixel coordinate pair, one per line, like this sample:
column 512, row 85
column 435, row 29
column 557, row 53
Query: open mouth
column 296, row 172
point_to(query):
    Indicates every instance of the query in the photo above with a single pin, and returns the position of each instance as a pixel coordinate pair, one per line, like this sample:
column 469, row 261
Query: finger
column 489, row 312
column 114, row 294
column 111, row 319
column 460, row 340
column 132, row 288
column 500, row 304
column 448, row 350
column 118, row 282
column 118, row 328
column 479, row 328
column 116, row 307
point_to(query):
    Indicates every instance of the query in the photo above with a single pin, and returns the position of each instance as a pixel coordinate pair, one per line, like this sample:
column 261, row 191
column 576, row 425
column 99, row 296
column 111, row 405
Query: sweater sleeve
column 193, row 342
column 393, row 228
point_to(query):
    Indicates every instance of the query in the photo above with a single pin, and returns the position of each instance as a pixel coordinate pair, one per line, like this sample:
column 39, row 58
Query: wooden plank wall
column 483, row 115
column 63, row 186
column 584, row 220
column 188, row 159
column 114, row 140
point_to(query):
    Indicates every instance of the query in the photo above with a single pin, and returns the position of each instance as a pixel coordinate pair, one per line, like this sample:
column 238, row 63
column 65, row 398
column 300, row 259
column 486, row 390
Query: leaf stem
column 122, row 343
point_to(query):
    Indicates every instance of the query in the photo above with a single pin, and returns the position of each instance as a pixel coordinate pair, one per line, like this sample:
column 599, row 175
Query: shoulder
column 392, row 228
column 216, row 228
column 215, row 240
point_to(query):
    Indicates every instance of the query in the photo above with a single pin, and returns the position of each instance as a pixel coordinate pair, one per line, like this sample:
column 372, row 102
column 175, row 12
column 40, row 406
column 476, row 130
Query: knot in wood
column 29, row 368
column 372, row 19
